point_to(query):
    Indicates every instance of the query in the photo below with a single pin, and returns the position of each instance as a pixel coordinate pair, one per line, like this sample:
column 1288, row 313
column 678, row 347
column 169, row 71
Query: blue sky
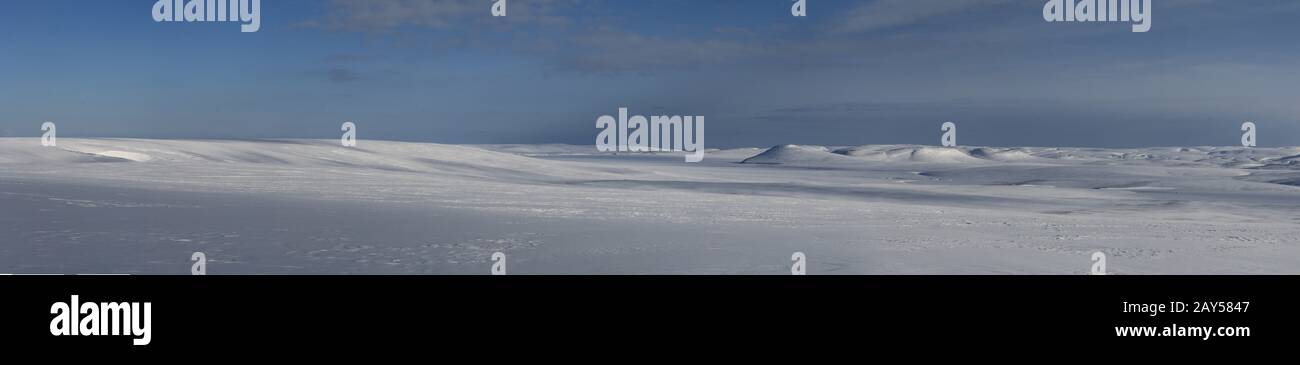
column 852, row 72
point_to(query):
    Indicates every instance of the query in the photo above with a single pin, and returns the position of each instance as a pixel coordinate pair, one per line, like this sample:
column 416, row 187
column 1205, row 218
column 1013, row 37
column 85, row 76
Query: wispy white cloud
column 882, row 14
column 386, row 15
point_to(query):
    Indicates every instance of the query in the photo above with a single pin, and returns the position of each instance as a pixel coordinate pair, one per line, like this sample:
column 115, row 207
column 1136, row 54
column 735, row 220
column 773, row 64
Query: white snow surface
column 315, row 207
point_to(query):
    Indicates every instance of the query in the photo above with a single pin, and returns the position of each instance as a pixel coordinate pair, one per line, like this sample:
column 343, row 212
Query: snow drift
column 313, row 206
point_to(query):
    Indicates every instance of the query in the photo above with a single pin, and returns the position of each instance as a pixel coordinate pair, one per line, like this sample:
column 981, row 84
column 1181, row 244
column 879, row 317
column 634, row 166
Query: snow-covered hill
column 313, row 206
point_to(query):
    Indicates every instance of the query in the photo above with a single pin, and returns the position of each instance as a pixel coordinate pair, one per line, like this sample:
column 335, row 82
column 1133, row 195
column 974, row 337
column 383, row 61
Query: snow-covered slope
column 310, row 206
column 796, row 154
column 1231, row 157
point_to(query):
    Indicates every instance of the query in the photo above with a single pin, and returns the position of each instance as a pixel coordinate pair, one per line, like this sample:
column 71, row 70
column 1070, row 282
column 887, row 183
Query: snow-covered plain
column 315, row 207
